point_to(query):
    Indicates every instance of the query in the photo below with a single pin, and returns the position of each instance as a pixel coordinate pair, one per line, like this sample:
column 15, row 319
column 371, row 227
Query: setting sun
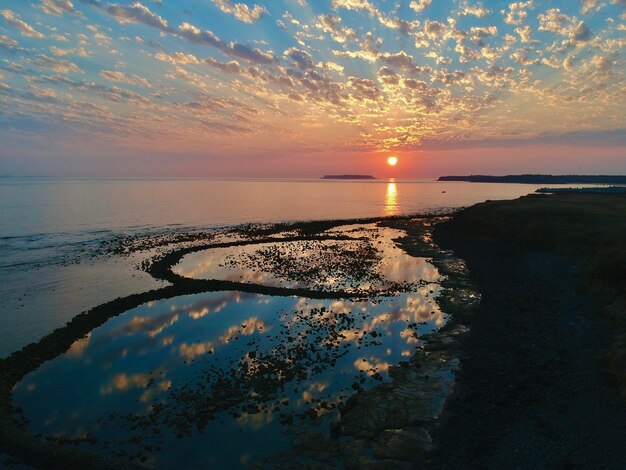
column 392, row 161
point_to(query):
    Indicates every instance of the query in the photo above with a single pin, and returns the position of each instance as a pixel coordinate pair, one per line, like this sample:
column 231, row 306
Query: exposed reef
column 416, row 378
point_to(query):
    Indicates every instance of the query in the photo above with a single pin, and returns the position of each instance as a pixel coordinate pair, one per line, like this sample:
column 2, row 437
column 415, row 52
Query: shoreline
column 539, row 179
column 16, row 440
column 537, row 388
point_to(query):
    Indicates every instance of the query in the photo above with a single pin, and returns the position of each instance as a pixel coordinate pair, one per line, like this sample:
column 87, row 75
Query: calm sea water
column 49, row 226
column 40, row 207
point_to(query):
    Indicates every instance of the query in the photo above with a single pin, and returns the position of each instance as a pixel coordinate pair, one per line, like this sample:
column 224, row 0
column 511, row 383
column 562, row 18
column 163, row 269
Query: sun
column 392, row 161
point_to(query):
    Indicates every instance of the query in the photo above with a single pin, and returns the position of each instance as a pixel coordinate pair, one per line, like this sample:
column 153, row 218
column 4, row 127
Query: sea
column 51, row 230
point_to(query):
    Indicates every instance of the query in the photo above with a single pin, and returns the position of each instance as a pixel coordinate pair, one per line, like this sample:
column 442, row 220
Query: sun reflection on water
column 391, row 198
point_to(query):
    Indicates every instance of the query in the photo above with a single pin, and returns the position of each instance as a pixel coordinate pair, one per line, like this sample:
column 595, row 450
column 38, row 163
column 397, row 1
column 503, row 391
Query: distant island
column 540, row 179
column 348, row 177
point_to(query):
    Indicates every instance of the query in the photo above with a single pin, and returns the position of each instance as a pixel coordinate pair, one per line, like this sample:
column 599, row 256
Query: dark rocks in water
column 348, row 177
column 402, row 444
column 369, row 427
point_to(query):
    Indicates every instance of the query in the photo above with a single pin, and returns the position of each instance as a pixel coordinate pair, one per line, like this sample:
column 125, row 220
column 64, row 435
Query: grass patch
column 588, row 226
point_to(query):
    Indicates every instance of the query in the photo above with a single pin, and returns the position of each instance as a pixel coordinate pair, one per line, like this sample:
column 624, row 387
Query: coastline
column 353, row 425
column 539, row 386
column 529, row 381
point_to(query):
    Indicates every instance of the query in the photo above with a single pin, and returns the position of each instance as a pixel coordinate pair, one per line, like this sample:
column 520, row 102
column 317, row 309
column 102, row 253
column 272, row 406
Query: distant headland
column 592, row 190
column 348, row 177
column 540, row 179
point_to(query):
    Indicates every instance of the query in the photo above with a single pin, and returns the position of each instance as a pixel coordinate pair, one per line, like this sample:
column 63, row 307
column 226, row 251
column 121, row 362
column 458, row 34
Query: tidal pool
column 370, row 260
column 218, row 378
column 229, row 379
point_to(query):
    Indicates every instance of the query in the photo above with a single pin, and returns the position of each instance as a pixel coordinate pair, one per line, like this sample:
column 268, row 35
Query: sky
column 301, row 88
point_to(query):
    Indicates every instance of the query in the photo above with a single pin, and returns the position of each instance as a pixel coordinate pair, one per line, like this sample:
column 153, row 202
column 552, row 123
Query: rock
column 403, row 444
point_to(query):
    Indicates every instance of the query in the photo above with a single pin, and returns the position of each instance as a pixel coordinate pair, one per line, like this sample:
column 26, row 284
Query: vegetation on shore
column 589, row 227
column 540, row 179
column 592, row 190
column 348, row 177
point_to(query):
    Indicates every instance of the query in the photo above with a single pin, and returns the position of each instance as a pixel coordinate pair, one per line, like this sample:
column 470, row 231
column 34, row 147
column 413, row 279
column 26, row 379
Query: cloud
column 434, row 29
column 366, row 76
column 525, row 33
column 80, row 51
column 195, row 35
column 121, row 77
column 241, row 11
column 114, row 93
column 478, row 10
column 364, row 89
column 332, row 24
column 388, row 76
column 7, row 41
column 555, row 21
column 419, row 5
column 177, row 58
column 581, row 138
column 136, row 13
column 45, row 96
column 391, row 22
column 398, row 59
column 356, row 5
column 231, row 67
column 522, row 57
column 600, row 66
column 588, row 5
column 57, row 65
column 517, row 12
column 299, row 58
column 24, row 28
column 58, row 7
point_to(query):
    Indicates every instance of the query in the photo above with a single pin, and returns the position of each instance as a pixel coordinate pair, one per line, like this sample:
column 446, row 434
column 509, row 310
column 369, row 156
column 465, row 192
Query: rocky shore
column 389, row 424
column 544, row 362
column 538, row 366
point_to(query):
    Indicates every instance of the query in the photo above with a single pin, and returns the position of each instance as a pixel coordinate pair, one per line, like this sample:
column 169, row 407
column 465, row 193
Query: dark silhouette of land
column 592, row 190
column 540, row 179
column 348, row 177
column 545, row 360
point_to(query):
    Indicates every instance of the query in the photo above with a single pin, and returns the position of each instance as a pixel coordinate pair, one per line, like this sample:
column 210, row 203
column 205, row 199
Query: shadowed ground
column 539, row 387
